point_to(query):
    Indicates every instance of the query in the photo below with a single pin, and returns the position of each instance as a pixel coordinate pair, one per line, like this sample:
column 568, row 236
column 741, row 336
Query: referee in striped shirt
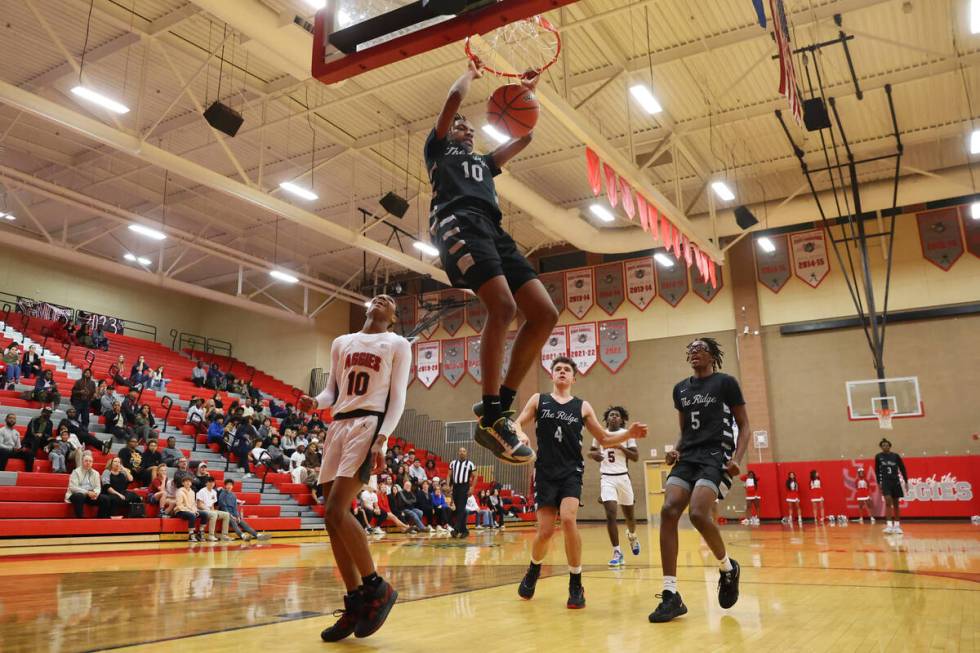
column 460, row 473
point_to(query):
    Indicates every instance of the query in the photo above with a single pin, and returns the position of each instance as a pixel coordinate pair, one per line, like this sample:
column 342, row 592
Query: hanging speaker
column 744, row 217
column 394, row 204
column 223, row 118
column 815, row 114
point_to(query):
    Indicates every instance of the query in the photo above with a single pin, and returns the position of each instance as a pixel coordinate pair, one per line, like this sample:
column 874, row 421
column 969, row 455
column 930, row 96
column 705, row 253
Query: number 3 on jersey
column 357, row 383
column 474, row 172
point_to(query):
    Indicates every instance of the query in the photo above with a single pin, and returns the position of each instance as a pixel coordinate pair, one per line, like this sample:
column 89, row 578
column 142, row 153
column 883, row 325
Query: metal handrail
column 46, row 332
column 90, row 358
column 173, row 339
column 112, row 372
column 167, row 403
column 67, row 347
column 195, row 418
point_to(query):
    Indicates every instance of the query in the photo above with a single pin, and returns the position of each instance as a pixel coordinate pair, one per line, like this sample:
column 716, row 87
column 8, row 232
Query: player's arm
column 632, row 452
column 400, row 367
column 901, row 466
column 742, row 419
column 503, row 154
column 526, row 419
column 605, row 438
column 594, row 452
column 328, row 395
column 457, row 92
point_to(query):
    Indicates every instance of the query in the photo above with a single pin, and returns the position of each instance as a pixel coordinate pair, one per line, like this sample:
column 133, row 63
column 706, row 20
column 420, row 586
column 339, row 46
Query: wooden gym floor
column 815, row 589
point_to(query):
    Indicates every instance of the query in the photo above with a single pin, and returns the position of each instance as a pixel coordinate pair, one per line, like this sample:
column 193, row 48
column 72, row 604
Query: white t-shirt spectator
column 258, row 453
column 369, row 499
column 417, row 472
column 247, row 411
column 471, row 504
column 195, row 410
column 296, row 460
column 207, row 498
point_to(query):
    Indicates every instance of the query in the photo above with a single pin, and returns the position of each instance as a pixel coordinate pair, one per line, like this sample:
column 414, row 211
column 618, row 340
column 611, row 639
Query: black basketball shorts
column 474, row 248
column 704, row 467
column 893, row 489
column 548, row 493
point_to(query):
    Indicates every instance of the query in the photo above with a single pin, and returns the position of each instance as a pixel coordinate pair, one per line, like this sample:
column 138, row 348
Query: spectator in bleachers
column 171, row 454
column 288, row 442
column 242, row 445
column 84, row 336
column 46, row 390
column 81, row 433
column 496, row 505
column 228, row 502
column 430, row 468
column 131, row 408
column 84, row 486
column 158, row 380
column 276, row 458
column 151, row 455
column 216, row 431
column 257, row 454
column 99, row 339
column 201, row 476
column 30, row 364
column 117, row 378
column 207, row 497
column 183, row 472
column 218, row 404
column 473, row 508
column 82, row 393
column 357, row 509
column 316, row 422
column 132, row 460
column 440, row 509
column 401, row 475
column 384, row 504
column 115, row 492
column 105, row 396
column 296, row 469
column 486, row 510
column 145, row 425
column 313, row 456
column 11, row 359
column 196, row 416
column 61, row 451
column 11, row 445
column 140, row 373
column 157, row 494
column 199, row 374
column 301, row 438
column 39, row 431
column 416, row 472
column 248, row 410
column 115, row 423
column 215, row 378
column 276, row 410
column 403, row 501
column 264, row 429
column 185, row 507
column 423, row 503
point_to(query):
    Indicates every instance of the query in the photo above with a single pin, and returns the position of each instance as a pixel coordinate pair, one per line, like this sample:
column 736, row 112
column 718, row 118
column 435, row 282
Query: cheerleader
column 863, row 497
column 816, row 496
column 751, row 499
column 793, row 499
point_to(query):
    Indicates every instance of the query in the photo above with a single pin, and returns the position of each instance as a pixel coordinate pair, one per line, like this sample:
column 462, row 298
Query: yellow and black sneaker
column 501, row 439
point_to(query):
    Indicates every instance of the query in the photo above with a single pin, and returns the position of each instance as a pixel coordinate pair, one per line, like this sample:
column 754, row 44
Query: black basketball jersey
column 559, row 432
column 707, row 408
column 460, row 178
column 888, row 465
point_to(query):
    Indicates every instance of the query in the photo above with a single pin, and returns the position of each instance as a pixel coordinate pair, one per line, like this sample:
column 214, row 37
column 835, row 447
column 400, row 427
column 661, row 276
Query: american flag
column 787, row 73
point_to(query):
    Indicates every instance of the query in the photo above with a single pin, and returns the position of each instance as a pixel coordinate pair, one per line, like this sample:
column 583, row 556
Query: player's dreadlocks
column 619, row 409
column 713, row 348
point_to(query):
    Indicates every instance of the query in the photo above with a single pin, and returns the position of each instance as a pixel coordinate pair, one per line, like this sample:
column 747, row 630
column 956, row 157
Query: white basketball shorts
column 616, row 488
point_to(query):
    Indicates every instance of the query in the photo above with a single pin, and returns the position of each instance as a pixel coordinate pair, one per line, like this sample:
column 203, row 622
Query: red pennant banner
column 665, row 234
column 678, row 250
column 627, row 192
column 686, row 247
column 642, row 208
column 653, row 215
column 595, row 173
column 610, row 185
column 712, row 272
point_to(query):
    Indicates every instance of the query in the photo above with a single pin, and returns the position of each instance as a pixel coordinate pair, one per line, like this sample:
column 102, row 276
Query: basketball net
column 884, row 418
column 532, row 44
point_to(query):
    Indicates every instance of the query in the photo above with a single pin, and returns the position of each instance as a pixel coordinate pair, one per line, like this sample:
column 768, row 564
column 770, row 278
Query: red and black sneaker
column 353, row 606
column 377, row 605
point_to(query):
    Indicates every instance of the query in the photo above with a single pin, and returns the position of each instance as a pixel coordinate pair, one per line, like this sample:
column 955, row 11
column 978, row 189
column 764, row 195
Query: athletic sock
column 670, row 584
column 536, row 564
column 616, row 549
column 574, row 577
column 889, row 523
column 371, row 581
column 491, row 409
column 506, row 398
column 725, row 564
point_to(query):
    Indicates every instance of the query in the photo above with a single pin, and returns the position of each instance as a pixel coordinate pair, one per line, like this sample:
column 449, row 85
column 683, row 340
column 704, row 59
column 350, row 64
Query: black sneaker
column 347, row 623
column 500, row 438
column 526, row 589
column 671, row 606
column 728, row 586
column 576, row 597
column 377, row 605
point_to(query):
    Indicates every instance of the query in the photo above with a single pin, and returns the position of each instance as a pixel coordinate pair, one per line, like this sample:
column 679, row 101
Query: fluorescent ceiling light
column 766, row 244
column 317, row 4
column 601, row 212
column 283, row 276
column 642, row 94
column 129, row 257
column 425, row 248
column 149, row 232
column 722, row 191
column 299, row 191
column 495, row 134
column 142, row 260
column 7, row 216
column 975, row 210
column 663, row 260
column 99, row 99
column 975, row 142
column 974, row 16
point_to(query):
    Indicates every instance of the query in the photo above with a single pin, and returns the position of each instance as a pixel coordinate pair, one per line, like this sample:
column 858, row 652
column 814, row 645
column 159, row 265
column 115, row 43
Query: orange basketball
column 513, row 110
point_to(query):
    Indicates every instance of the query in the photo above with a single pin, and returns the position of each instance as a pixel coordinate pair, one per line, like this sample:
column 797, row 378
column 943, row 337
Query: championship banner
column 554, row 283
column 580, row 291
column 810, row 262
column 476, row 315
column 672, row 282
column 429, row 299
column 971, row 228
column 614, row 346
column 772, row 268
column 508, row 349
column 452, row 320
column 939, row 233
column 473, row 358
column 406, row 308
column 428, row 362
column 702, row 287
column 555, row 346
column 582, row 346
column 641, row 283
column 454, row 360
column 609, row 286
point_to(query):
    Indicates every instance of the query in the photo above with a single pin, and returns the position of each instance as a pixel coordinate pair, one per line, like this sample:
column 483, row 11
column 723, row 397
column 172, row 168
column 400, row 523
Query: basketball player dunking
column 479, row 255
column 705, row 460
column 615, row 488
column 366, row 390
column 559, row 418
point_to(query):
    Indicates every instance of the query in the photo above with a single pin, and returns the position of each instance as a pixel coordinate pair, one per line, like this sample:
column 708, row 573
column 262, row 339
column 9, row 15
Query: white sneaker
column 212, row 538
column 755, row 521
column 431, row 530
column 897, row 529
column 746, row 521
column 440, row 529
column 784, row 520
column 246, row 537
column 872, row 520
column 378, row 530
column 889, row 530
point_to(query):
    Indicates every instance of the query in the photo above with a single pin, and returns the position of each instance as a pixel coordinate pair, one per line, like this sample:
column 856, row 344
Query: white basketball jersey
column 614, row 460
column 363, row 377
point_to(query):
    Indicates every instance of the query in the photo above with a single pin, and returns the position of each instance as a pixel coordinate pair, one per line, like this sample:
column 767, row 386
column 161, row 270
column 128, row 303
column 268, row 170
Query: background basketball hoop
column 513, row 50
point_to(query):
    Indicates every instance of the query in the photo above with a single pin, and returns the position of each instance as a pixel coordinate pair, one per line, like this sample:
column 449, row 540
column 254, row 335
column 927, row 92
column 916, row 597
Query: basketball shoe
column 634, row 543
column 377, row 604
column 526, row 589
column 617, row 560
column 728, row 586
column 671, row 606
column 347, row 623
column 501, row 439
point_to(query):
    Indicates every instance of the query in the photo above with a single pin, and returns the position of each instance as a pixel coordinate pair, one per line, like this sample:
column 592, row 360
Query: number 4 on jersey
column 558, row 434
